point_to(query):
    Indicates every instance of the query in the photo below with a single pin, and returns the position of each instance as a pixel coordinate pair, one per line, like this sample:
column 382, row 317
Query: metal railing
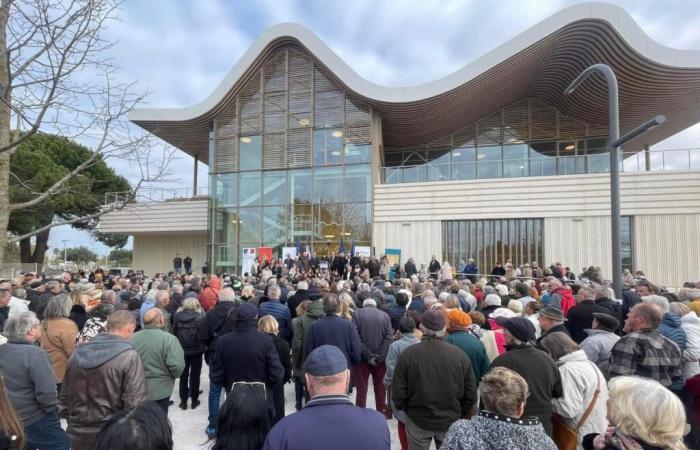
column 658, row 161
column 157, row 195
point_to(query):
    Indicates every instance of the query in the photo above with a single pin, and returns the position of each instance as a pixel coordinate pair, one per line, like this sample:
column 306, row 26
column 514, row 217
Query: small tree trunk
column 5, row 92
column 40, row 248
column 25, row 250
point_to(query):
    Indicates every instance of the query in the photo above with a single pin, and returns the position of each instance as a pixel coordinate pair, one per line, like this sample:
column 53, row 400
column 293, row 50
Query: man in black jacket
column 434, row 268
column 580, row 317
column 551, row 320
column 433, row 385
column 535, row 366
column 301, row 294
column 217, row 322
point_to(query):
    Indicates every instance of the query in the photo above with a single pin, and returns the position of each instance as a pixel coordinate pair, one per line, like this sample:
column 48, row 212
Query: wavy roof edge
column 617, row 17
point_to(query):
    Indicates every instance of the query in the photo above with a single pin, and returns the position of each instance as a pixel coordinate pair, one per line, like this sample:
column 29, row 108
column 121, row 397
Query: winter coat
column 410, row 269
column 186, row 328
column 104, row 376
column 58, row 337
column 542, row 377
column 632, row 443
column 334, row 330
column 579, row 379
column 580, row 318
column 474, row 349
column 671, row 328
column 434, row 384
column 374, row 329
column 163, row 360
column 282, row 348
column 489, row 431
column 30, row 383
column 597, row 347
column 246, row 343
column 396, row 313
column 295, row 300
column 647, row 354
column 300, row 341
column 281, row 314
column 210, row 294
column 215, row 324
column 557, row 328
column 563, row 299
column 690, row 323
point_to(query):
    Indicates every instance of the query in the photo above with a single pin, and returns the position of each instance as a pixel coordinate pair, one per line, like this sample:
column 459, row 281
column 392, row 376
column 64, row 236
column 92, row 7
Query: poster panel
column 264, row 253
column 249, row 255
column 393, row 255
column 289, row 251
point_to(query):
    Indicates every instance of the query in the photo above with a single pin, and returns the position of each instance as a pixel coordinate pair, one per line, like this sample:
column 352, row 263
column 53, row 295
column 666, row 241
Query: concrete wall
column 155, row 252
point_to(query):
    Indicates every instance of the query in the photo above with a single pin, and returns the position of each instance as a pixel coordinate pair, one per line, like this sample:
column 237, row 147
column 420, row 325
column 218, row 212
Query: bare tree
column 55, row 76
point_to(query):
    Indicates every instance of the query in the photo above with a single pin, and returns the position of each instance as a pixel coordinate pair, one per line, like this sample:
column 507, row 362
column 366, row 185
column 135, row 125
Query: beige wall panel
column 154, row 253
column 176, row 216
column 566, row 196
column 416, row 239
column 667, row 247
column 578, row 242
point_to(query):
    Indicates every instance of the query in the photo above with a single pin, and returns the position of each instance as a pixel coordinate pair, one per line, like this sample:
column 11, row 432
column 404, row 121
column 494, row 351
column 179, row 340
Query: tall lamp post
column 615, row 143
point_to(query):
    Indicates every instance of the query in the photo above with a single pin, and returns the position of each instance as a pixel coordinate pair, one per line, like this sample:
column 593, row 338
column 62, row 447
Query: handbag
column 563, row 435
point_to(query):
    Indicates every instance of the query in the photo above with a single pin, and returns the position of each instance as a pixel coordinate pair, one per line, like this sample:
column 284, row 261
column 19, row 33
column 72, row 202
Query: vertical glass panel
column 598, row 155
column 543, row 159
column 226, row 226
column 300, row 186
column 251, row 152
column 515, row 161
column 358, row 222
column 358, row 183
column 626, row 243
column 439, row 168
column 250, row 225
column 328, row 146
column 300, row 223
column 489, row 162
column 226, row 190
column 567, row 158
column 357, row 153
column 464, row 163
column 275, row 188
column 328, row 222
column 328, row 185
column 274, row 226
column 392, row 175
column 249, row 189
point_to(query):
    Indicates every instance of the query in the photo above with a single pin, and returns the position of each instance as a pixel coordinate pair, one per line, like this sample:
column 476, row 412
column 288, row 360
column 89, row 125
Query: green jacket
column 301, row 327
column 474, row 349
column 163, row 360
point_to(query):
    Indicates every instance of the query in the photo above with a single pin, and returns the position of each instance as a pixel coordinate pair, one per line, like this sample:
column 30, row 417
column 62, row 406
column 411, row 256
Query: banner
column 364, row 252
column 249, row 255
column 264, row 253
column 289, row 251
column 393, row 255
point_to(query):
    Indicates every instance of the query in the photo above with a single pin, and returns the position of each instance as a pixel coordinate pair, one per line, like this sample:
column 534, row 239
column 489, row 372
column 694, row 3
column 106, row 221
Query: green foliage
column 80, row 255
column 42, row 160
column 120, row 257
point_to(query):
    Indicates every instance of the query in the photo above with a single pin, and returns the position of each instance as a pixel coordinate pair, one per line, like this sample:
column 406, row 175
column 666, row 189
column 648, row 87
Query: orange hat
column 458, row 319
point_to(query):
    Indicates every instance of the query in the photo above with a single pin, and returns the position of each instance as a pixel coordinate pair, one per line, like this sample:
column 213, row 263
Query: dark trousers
column 164, row 404
column 298, row 391
column 189, row 379
column 214, row 400
column 47, row 434
column 278, row 397
column 361, row 373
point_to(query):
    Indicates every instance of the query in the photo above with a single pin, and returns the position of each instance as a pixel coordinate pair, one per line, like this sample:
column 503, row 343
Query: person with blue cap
column 329, row 420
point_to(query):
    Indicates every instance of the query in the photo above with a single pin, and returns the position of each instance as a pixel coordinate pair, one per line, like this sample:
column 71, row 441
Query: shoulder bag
column 563, row 435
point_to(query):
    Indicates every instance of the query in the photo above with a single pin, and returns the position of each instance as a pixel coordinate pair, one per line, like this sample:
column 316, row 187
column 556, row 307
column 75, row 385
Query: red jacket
column 567, row 300
column 210, row 294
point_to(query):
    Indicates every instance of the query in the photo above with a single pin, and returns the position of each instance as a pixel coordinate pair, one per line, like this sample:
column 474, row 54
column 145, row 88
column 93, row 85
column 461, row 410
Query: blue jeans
column 47, row 434
column 214, row 399
column 298, row 391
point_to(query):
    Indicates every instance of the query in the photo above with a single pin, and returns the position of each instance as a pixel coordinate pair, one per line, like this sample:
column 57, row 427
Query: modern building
column 492, row 161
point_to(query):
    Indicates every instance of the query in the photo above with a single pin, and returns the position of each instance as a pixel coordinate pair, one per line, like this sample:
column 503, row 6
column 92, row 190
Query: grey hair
column 20, row 293
column 588, row 292
column 19, row 325
column 377, row 295
column 559, row 344
column 274, row 291
column 52, row 284
column 227, row 295
column 191, row 303
column 59, row 307
column 363, row 287
column 369, row 302
column 427, row 332
column 658, row 300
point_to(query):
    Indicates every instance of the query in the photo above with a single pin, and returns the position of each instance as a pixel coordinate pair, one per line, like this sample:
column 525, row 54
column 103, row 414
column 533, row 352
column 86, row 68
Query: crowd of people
column 521, row 357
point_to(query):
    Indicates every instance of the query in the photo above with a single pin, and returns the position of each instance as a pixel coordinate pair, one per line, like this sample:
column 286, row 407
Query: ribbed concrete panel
column 176, row 216
column 416, row 239
column 155, row 253
column 569, row 196
column 578, row 242
column 667, row 247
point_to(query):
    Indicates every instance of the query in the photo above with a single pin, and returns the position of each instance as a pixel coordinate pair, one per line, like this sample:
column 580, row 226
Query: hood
column 578, row 355
column 691, row 317
column 671, row 320
column 315, row 309
column 591, row 331
column 187, row 315
column 102, row 348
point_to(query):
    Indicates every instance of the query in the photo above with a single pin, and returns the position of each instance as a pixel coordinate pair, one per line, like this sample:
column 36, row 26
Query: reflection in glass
column 515, row 163
column 300, row 186
column 439, row 168
column 488, row 162
column 543, row 159
column 328, row 146
column 328, row 219
column 226, row 190
column 598, row 155
column 274, row 225
column 250, row 189
column 300, row 223
column 464, row 163
column 626, row 243
column 328, row 185
column 251, row 152
column 357, row 153
column 358, row 183
column 250, row 225
column 358, row 221
column 275, row 188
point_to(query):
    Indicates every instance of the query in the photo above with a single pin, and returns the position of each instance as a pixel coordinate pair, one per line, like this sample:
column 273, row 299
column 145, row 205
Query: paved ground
column 189, row 425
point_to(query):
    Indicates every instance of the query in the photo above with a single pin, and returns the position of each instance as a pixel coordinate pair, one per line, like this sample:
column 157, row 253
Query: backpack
column 187, row 333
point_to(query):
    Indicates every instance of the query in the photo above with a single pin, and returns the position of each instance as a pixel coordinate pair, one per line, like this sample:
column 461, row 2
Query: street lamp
column 65, row 253
column 615, row 143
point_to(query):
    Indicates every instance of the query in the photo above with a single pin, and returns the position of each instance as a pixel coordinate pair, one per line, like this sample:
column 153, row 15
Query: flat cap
column 325, row 360
column 520, row 327
column 606, row 321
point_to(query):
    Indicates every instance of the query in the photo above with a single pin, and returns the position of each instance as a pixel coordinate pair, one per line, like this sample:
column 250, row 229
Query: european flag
column 352, row 249
column 342, row 246
column 298, row 245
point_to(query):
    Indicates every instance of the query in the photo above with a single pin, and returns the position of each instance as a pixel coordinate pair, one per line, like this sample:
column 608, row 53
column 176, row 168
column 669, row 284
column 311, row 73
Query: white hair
column 658, row 300
column 274, row 291
column 369, row 302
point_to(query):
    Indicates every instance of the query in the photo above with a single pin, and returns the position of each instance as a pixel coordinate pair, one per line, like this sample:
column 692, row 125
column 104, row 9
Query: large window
column 627, row 242
column 492, row 241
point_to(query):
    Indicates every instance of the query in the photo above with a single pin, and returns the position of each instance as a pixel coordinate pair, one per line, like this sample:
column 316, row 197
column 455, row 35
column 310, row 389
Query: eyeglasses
column 259, row 384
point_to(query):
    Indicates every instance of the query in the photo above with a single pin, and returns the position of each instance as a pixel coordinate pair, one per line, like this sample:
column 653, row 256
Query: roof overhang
column 540, row 62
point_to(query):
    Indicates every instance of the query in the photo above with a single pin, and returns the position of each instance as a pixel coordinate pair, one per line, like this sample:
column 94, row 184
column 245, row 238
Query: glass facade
column 290, row 162
column 492, row 241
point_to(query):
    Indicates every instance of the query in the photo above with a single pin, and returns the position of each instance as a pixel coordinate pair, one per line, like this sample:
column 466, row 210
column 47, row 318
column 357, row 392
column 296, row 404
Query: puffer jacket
column 579, row 379
column 690, row 323
column 104, row 376
column 210, row 294
column 671, row 328
column 302, row 328
column 597, row 347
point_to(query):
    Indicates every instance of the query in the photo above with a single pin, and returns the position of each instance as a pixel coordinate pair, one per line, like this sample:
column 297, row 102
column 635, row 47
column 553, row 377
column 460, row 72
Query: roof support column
column 647, row 159
column 194, row 177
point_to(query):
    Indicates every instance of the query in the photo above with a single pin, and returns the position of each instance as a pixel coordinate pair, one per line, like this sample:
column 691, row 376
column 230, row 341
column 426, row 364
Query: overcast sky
column 180, row 50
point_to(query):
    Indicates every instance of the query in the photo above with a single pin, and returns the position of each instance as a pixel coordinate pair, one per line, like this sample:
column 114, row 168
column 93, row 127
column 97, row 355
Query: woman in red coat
column 210, row 292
